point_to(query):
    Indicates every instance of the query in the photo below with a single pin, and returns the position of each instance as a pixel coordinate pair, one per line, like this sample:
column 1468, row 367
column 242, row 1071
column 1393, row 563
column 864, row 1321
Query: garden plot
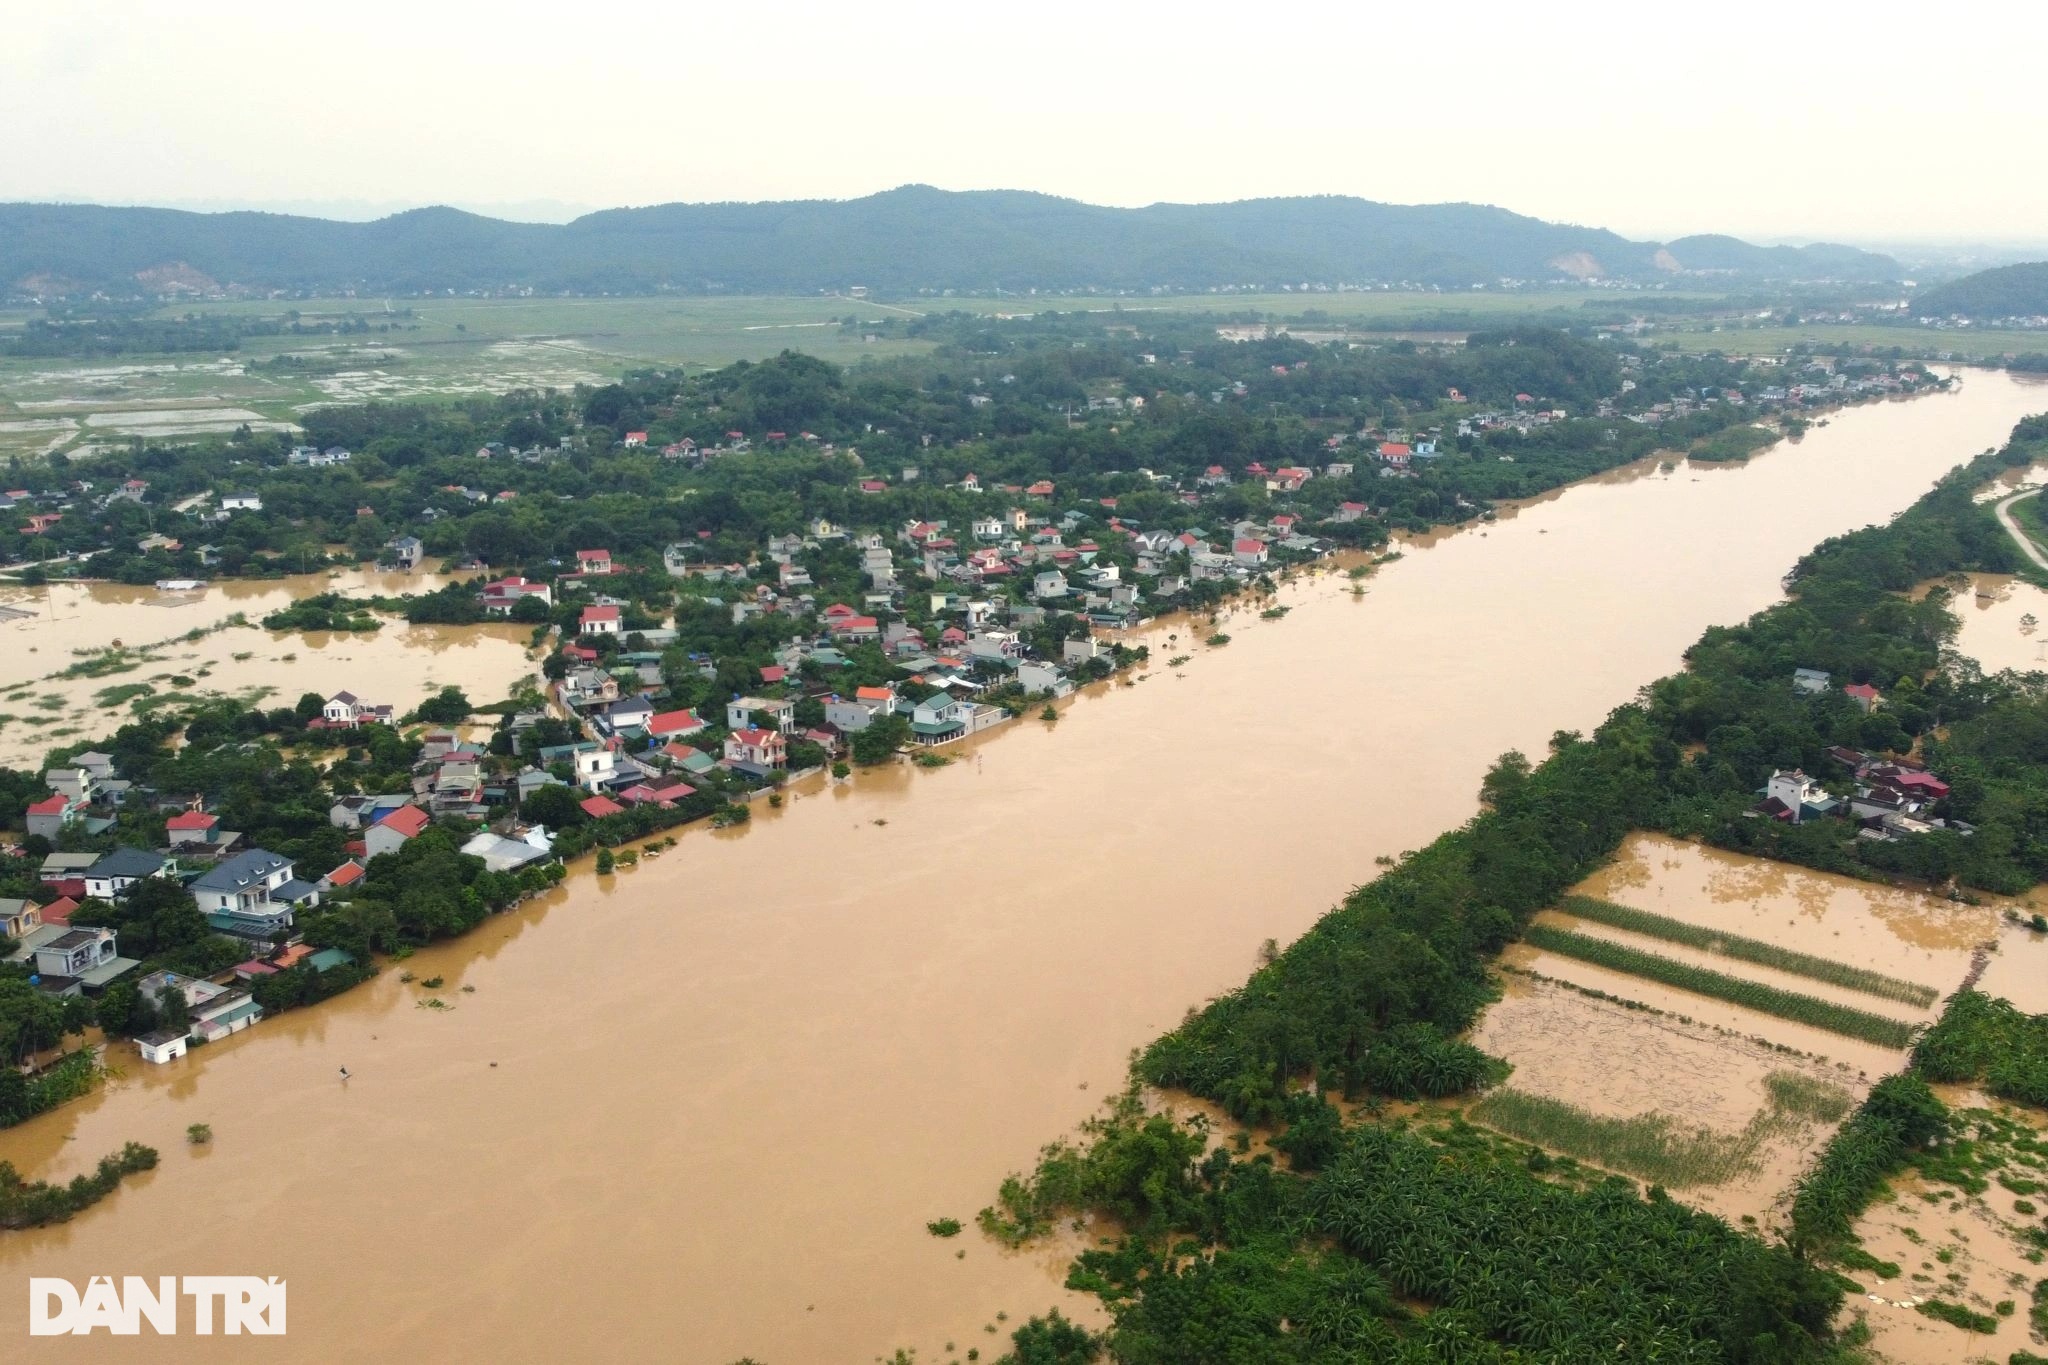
column 1712, row 1043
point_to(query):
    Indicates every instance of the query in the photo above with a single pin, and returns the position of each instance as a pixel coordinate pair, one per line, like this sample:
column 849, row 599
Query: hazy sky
column 1788, row 119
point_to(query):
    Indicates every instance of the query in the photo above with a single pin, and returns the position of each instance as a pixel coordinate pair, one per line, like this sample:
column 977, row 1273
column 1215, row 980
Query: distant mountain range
column 902, row 240
column 2007, row 292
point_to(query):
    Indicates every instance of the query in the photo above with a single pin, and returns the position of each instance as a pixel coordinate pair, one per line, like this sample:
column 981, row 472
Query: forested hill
column 905, row 239
column 2009, row 291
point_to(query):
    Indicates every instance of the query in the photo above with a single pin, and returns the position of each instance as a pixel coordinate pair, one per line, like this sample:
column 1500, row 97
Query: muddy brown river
column 704, row 1109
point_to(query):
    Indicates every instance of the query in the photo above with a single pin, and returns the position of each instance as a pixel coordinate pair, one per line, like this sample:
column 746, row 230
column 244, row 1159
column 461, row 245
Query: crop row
column 1748, row 949
column 1800, row 1009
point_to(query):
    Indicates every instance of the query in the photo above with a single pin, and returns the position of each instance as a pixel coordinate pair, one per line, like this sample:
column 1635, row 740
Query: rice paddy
column 1753, row 995
column 1764, row 954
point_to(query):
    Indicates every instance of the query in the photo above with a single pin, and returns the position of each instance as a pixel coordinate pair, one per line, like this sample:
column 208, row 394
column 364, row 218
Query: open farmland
column 1773, row 339
column 447, row 347
column 1704, row 1021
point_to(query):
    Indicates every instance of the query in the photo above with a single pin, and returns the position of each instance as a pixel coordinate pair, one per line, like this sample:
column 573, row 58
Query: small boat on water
column 180, row 584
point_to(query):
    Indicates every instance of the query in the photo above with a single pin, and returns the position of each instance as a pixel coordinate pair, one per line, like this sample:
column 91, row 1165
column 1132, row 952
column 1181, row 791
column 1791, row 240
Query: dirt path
column 2012, row 528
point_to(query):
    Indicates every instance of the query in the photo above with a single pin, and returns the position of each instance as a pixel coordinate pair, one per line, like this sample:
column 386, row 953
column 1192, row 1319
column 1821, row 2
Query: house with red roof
column 758, row 752
column 1864, row 695
column 1396, row 453
column 191, row 827
column 349, row 873
column 1040, row 489
column 597, row 807
column 1249, row 553
column 48, row 816
column 669, row 725
column 846, row 628
column 635, row 438
column 772, row 674
column 660, row 792
column 58, row 911
column 501, row 597
column 850, row 716
column 397, row 827
column 598, row 621
column 873, row 486
column 594, row 561
column 1348, row 511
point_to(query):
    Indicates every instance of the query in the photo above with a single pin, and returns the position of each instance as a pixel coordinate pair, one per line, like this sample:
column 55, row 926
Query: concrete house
column 394, row 830
column 18, row 916
column 1042, row 679
column 758, row 752
column 121, row 869
column 404, row 551
column 346, row 711
column 851, row 715
column 74, row 961
column 1795, row 798
column 501, row 597
column 1004, row 646
column 79, row 784
column 741, row 711
column 48, row 816
column 191, row 827
column 252, row 895
column 215, row 1012
column 938, row 719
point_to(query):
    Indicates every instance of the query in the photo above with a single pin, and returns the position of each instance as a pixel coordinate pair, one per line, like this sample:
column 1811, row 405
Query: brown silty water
column 65, row 622
column 704, row 1109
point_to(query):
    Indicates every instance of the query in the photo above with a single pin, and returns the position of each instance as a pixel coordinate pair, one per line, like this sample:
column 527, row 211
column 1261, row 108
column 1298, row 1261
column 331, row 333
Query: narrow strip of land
column 2012, row 528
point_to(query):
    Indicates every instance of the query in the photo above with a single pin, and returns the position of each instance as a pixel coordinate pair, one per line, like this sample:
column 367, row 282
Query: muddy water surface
column 2003, row 621
column 399, row 664
column 1903, row 933
column 731, row 1087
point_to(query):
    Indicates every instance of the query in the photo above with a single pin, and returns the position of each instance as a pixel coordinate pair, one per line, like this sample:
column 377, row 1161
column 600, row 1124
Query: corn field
column 1749, row 950
column 1800, row 1009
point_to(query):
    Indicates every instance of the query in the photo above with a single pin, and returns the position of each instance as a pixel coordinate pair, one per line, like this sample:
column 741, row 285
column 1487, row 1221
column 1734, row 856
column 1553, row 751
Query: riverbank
column 838, row 1029
column 1375, row 998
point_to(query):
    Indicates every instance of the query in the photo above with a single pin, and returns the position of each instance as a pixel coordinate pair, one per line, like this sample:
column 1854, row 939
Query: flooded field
column 63, row 629
column 1729, row 1149
column 717, row 1099
column 1710, row 1067
column 2002, row 621
column 1623, row 1047
column 1902, row 933
column 1968, row 1249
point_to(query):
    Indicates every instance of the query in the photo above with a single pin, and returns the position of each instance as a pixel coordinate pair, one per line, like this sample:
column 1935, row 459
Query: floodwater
column 2001, row 618
column 399, row 664
column 1966, row 1248
column 1900, row 932
column 705, row 1109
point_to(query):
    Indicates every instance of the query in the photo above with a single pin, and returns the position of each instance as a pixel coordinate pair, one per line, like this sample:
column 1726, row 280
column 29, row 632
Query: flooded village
column 855, row 1007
